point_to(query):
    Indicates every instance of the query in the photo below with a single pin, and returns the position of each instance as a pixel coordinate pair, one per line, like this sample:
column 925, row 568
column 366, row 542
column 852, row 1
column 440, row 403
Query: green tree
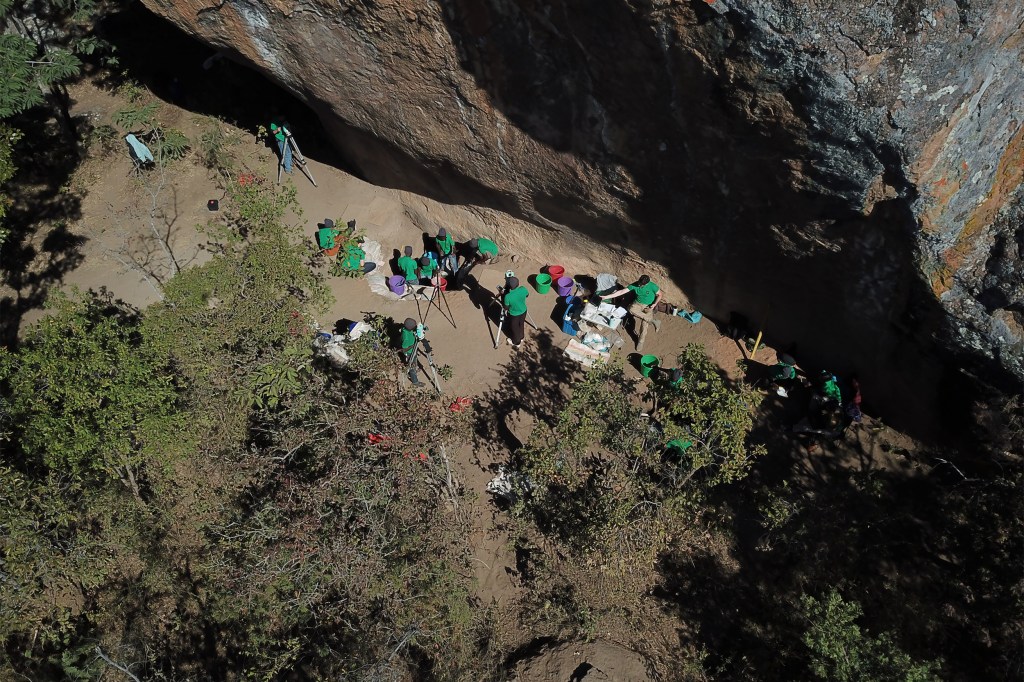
column 42, row 53
column 90, row 398
column 8, row 138
column 841, row 651
column 713, row 417
column 604, row 463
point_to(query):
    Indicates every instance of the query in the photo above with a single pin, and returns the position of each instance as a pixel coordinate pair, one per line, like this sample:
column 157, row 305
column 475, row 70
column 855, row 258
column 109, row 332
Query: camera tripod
column 423, row 346
column 299, row 159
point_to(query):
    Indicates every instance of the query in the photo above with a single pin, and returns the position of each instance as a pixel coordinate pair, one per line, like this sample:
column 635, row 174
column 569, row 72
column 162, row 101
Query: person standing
column 408, row 266
column 409, row 350
column 646, row 296
column 283, row 147
column 446, row 250
column 514, row 300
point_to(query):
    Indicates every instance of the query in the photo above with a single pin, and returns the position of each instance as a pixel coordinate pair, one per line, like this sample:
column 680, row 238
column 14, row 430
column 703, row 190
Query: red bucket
column 556, row 271
column 442, row 283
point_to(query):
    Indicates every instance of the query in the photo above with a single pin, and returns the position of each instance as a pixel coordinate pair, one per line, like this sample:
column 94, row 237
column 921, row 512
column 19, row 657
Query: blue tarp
column 139, row 151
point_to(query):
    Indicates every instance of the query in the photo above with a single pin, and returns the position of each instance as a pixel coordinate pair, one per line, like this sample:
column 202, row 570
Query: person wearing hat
column 408, row 266
column 428, row 266
column 514, row 300
column 327, row 237
column 645, row 299
column 783, row 374
column 446, row 250
column 408, row 342
column 284, row 149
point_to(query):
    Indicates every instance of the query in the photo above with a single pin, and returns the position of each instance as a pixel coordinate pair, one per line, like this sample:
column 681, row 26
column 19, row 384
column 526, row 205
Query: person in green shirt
column 353, row 261
column 284, row 149
column 783, row 374
column 326, row 234
column 408, row 342
column 427, row 268
column 408, row 266
column 446, row 250
column 514, row 300
column 829, row 387
column 487, row 251
column 474, row 252
column 646, row 296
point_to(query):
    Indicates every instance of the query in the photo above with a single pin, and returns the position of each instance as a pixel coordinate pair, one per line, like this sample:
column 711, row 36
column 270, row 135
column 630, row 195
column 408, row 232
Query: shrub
column 841, row 651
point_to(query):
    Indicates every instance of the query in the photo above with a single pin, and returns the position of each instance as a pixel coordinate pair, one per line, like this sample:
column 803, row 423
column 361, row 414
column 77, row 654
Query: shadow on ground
column 43, row 206
column 532, row 387
column 928, row 548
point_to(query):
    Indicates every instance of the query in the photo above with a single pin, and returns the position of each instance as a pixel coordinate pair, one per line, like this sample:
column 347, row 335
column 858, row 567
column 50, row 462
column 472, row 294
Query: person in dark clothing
column 514, row 300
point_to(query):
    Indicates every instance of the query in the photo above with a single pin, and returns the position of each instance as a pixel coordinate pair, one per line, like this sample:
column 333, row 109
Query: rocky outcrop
column 849, row 172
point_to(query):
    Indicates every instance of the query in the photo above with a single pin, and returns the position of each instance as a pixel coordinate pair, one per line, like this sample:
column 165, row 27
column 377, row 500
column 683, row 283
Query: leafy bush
column 89, row 395
column 169, row 144
column 604, row 464
column 214, row 146
column 841, row 651
column 105, row 138
column 131, row 90
column 137, row 119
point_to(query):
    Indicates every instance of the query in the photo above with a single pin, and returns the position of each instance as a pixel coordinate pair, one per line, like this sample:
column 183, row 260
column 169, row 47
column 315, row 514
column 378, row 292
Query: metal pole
column 430, row 362
column 419, row 311
column 529, row 317
column 300, row 159
column 501, row 322
column 433, row 302
column 451, row 316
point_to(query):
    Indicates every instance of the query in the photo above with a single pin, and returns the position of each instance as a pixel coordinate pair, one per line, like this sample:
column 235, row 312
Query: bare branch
column 106, row 659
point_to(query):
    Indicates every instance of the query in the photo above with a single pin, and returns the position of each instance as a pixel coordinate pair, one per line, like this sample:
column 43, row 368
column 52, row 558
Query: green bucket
column 542, row 283
column 647, row 364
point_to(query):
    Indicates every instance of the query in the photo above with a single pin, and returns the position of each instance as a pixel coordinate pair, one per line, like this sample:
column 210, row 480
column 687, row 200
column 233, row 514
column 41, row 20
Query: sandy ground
column 119, row 252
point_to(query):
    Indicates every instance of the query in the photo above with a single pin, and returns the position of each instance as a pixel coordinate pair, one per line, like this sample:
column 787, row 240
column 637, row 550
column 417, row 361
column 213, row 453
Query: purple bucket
column 396, row 283
column 563, row 286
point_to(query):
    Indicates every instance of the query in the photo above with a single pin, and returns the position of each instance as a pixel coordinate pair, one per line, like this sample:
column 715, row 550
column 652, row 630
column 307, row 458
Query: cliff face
column 848, row 171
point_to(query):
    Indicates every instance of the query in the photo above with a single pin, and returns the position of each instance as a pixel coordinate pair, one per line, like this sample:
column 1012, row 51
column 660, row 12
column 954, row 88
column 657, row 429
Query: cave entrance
column 183, row 71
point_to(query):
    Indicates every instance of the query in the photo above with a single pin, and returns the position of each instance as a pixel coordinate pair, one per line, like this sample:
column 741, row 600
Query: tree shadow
column 928, row 552
column 43, row 204
column 533, row 382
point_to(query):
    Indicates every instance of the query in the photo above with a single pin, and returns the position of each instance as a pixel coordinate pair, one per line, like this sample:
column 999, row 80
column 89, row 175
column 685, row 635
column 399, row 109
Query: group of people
column 833, row 405
column 454, row 261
